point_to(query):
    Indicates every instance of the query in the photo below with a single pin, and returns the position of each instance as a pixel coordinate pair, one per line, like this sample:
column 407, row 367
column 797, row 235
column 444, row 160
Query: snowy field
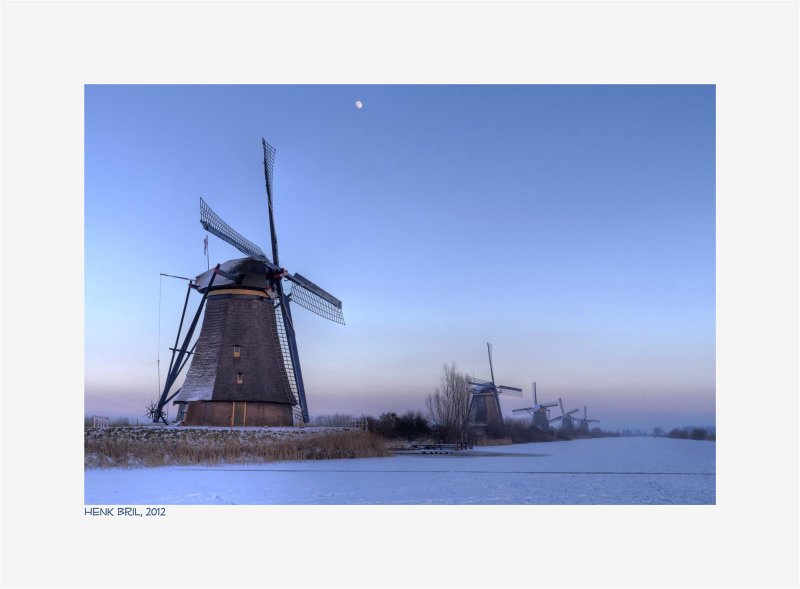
column 594, row 471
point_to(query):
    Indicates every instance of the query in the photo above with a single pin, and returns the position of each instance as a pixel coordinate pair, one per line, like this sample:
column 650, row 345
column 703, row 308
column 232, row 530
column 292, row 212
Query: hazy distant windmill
column 245, row 368
column 540, row 412
column 565, row 418
column 484, row 409
column 583, row 422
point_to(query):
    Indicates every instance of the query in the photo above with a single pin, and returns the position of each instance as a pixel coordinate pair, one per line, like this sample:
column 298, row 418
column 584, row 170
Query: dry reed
column 102, row 452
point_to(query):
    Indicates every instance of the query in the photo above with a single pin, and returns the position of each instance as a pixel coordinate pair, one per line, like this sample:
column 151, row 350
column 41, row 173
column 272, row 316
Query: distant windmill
column 540, row 412
column 583, row 422
column 484, row 408
column 245, row 367
column 565, row 418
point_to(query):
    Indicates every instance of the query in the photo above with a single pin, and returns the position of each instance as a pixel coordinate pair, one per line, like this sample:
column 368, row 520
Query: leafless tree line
column 448, row 407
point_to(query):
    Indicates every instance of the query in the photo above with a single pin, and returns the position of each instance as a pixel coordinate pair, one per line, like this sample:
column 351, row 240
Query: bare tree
column 448, row 405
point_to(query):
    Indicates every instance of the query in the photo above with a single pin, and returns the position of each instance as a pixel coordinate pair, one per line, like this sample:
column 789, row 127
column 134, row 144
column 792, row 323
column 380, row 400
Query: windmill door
column 239, row 413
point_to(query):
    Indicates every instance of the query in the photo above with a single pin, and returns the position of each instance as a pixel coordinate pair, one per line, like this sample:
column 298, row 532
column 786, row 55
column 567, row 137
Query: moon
column 359, row 104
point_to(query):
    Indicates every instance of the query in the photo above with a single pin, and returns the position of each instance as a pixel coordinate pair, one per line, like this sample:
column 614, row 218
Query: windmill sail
column 513, row 391
column 212, row 223
column 310, row 296
column 269, row 162
column 298, row 411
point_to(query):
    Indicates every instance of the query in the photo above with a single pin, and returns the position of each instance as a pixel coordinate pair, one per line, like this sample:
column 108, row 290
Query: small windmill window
column 237, row 351
column 239, row 378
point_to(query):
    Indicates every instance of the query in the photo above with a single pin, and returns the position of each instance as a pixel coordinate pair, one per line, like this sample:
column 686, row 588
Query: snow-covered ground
column 593, row 471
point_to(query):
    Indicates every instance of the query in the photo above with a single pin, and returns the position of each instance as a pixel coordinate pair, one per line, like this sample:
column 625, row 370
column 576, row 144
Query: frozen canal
column 595, row 471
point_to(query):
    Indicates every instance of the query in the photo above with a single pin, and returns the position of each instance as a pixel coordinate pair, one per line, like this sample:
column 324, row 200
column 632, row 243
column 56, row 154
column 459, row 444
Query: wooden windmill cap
column 250, row 273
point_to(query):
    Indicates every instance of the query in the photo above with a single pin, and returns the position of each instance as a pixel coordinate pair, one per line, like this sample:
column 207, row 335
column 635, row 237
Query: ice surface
column 593, row 471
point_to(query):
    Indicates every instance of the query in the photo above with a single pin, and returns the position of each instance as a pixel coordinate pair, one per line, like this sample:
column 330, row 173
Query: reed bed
column 103, row 452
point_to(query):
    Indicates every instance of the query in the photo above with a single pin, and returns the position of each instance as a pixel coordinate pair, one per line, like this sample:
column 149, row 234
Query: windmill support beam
column 232, row 277
column 180, row 328
column 190, row 352
column 179, row 362
column 172, row 396
column 188, row 355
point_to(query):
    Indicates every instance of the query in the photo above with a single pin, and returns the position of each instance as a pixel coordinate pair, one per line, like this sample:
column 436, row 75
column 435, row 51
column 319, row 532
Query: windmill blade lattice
column 288, row 364
column 212, row 223
column 269, row 163
column 478, row 381
column 512, row 391
column 314, row 302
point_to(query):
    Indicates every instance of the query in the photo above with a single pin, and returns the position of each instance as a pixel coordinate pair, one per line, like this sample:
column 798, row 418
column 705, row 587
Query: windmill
column 245, row 367
column 540, row 412
column 584, row 422
column 484, row 407
column 565, row 418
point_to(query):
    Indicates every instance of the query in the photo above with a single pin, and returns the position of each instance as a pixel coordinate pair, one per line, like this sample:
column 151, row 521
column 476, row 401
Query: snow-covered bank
column 593, row 471
column 205, row 433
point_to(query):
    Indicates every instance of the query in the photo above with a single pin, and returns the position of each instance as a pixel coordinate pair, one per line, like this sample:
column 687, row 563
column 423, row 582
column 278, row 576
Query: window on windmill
column 237, row 351
column 239, row 378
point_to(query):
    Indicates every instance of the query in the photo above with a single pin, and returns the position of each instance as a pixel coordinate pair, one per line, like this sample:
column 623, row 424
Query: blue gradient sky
column 572, row 226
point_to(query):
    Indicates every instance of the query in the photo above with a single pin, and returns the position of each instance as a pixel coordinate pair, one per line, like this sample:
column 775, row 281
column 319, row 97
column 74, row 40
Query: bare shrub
column 522, row 431
column 335, row 420
column 563, row 434
column 698, row 433
column 493, row 442
column 409, row 426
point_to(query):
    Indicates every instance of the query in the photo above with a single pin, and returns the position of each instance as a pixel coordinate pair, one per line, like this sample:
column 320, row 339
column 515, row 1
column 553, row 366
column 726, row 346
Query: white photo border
column 749, row 50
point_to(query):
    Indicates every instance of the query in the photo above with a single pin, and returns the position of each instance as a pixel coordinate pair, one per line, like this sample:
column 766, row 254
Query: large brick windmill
column 484, row 409
column 245, row 368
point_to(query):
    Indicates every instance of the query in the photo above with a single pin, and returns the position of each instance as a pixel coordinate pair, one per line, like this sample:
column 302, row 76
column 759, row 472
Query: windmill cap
column 253, row 272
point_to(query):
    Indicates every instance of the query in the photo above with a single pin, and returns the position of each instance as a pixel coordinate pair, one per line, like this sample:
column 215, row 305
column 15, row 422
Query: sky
column 573, row 227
